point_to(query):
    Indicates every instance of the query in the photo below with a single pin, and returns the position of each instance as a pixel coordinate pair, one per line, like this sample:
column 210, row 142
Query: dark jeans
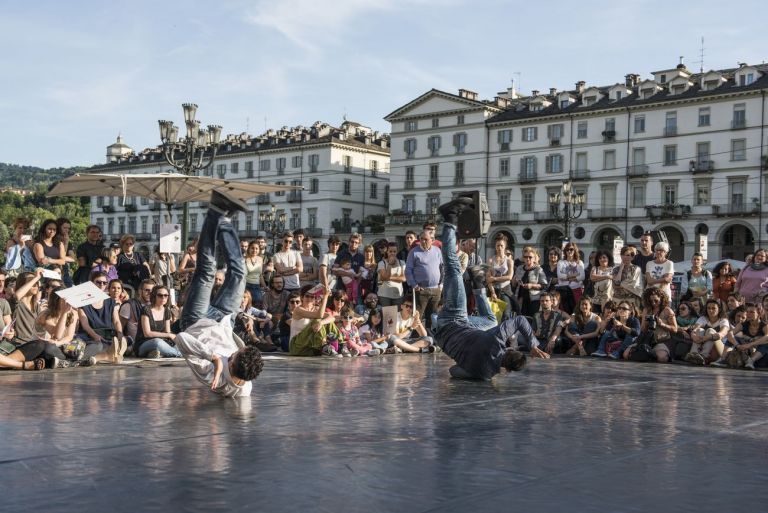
column 216, row 229
column 426, row 304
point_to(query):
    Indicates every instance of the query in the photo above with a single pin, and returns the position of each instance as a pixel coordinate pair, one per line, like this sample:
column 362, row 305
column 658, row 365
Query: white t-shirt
column 657, row 271
column 327, row 261
column 391, row 289
column 290, row 258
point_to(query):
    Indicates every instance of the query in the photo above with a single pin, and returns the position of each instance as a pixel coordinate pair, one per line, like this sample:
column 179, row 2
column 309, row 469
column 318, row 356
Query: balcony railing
column 736, row 209
column 262, row 199
column 666, row 211
column 545, row 216
column 527, row 177
column 411, row 218
column 701, row 166
column 433, row 183
column 670, row 131
column 108, row 209
column 314, row 232
column 606, row 213
column 738, row 123
column 408, row 184
column 143, row 236
column 504, row 217
column 609, row 135
column 294, row 196
column 637, row 170
column 579, row 174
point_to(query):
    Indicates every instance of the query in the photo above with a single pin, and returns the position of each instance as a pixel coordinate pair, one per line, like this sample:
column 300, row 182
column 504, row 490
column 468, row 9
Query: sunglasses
column 100, row 282
column 623, row 308
column 163, row 295
column 348, row 317
column 407, row 306
column 295, row 301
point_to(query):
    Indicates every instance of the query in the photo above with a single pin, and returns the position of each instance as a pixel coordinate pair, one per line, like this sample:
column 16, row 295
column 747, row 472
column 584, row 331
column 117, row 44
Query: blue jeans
column 159, row 344
column 255, row 290
column 216, row 228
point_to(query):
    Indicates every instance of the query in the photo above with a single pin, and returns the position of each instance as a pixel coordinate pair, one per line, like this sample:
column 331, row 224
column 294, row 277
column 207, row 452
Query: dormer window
column 618, row 95
column 564, row 104
column 678, row 89
column 536, row 107
column 663, row 79
column 746, row 79
column 590, row 100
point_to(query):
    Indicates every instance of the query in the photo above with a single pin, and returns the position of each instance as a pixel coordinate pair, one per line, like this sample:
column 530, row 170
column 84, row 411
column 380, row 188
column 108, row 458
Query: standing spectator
column 87, row 253
column 65, row 227
column 570, row 277
column 262, row 242
column 391, row 271
column 299, row 236
column 503, row 268
column 48, row 249
column 752, row 280
column 554, row 255
column 627, row 279
column 288, row 264
column 188, row 264
column 645, row 254
column 327, row 263
column 424, row 273
column 15, row 246
column 529, row 280
column 723, row 281
column 469, row 247
column 410, row 238
column 3, row 278
column 601, row 279
column 131, row 266
column 254, row 265
column 698, row 281
column 352, row 251
column 163, row 268
column 659, row 272
column 243, row 247
column 310, row 274
column 368, row 272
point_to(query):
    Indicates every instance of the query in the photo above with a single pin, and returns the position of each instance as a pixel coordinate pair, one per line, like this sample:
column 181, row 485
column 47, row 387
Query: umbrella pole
column 168, row 275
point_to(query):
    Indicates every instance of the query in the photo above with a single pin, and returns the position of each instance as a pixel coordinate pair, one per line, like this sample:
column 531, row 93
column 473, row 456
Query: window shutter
column 456, row 140
column 534, row 164
column 499, row 136
column 522, row 165
column 535, row 133
column 550, row 129
column 548, row 164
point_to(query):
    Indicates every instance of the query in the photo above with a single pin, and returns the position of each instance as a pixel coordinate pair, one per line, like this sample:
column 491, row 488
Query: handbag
column 73, row 350
column 6, row 348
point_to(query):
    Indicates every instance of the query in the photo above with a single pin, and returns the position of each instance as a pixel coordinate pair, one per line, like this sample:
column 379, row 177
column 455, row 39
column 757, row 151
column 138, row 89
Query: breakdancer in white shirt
column 207, row 341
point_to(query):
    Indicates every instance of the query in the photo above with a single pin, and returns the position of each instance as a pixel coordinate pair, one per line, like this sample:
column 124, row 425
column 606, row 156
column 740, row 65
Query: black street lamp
column 566, row 206
column 197, row 150
column 272, row 223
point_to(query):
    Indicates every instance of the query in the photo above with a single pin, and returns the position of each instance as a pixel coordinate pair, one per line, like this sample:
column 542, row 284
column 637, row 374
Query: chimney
column 552, row 91
column 535, row 92
column 631, row 79
column 502, row 102
column 580, row 86
column 466, row 93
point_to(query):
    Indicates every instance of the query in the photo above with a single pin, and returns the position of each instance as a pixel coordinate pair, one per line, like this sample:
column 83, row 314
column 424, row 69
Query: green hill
column 30, row 177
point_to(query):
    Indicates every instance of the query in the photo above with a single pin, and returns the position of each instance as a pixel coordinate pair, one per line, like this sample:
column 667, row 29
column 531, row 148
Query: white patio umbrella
column 167, row 188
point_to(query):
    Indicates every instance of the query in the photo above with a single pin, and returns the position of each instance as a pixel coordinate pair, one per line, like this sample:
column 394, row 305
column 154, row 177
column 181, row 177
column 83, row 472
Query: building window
column 131, row 224
column 554, row 163
column 314, row 163
column 669, row 193
column 99, row 201
column 704, row 119
column 610, row 125
column 236, row 222
column 670, row 123
column 347, row 163
column 581, row 161
column 235, row 168
column 409, row 204
column 638, row 156
column 347, row 187
column 555, row 132
column 409, row 177
column 460, row 119
column 409, row 146
column 296, row 161
column 374, row 191
column 737, row 193
column 608, row 197
column 739, row 115
column 249, row 222
column 503, row 168
column 503, row 202
column 411, row 126
column 505, row 139
column 670, row 155
column 460, row 142
column 144, row 201
column 528, row 197
column 314, row 185
column 530, row 133
column 609, row 160
column 295, row 223
column 702, row 193
column 581, row 130
column 434, row 175
column 433, row 201
column 746, row 79
column 264, row 165
column 639, row 124
column 280, row 165
column 121, row 225
column 279, row 193
column 528, row 167
column 637, row 195
column 221, row 170
column 433, row 144
column 702, row 152
column 435, row 122
column 738, row 149
column 458, row 176
column 144, row 220
column 312, row 218
column 249, row 169
column 374, row 165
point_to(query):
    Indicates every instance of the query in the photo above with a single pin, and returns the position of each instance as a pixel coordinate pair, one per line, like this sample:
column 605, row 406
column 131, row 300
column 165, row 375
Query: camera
column 650, row 320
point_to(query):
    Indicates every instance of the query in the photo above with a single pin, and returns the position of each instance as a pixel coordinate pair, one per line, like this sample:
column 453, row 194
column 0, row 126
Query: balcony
column 670, row 131
column 738, row 123
column 667, row 211
column 637, row 170
column 736, row 209
column 555, row 141
column 546, row 216
column 527, row 177
column 408, row 184
column 341, row 226
column 130, row 207
column 579, row 174
column 701, row 166
column 411, row 218
column 248, row 234
column 108, row 209
column 606, row 213
column 262, row 199
column 144, row 236
column 433, row 183
column 294, row 197
column 609, row 135
column 504, row 217
column 314, row 232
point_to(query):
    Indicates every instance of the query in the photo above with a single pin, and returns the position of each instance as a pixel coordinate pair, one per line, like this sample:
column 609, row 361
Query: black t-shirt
column 91, row 252
column 153, row 324
column 478, row 352
column 641, row 261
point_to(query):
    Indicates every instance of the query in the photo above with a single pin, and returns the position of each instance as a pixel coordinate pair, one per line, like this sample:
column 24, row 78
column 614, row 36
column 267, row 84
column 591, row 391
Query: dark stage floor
column 390, row 434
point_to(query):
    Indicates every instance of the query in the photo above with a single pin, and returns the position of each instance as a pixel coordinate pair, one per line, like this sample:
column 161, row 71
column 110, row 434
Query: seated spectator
column 282, row 335
column 747, row 329
column 372, row 331
column 409, row 336
column 338, row 301
column 48, row 249
column 116, row 291
column 28, row 307
column 132, row 268
column 710, row 332
column 351, row 342
column 582, row 331
column 15, row 354
column 275, row 299
column 130, row 310
column 363, row 310
column 656, row 328
column 686, row 321
column 620, row 328
column 100, row 321
column 107, row 263
column 697, row 306
column 548, row 324
column 313, row 331
column 155, row 338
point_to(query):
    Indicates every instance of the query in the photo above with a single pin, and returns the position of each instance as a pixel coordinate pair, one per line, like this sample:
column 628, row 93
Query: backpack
column 643, row 350
column 688, row 294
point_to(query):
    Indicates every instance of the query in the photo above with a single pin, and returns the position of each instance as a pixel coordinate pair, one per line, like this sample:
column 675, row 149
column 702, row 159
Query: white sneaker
column 750, row 364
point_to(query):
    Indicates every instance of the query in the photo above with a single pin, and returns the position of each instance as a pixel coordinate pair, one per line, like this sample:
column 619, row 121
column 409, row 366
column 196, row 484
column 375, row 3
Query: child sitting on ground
column 350, row 335
column 371, row 331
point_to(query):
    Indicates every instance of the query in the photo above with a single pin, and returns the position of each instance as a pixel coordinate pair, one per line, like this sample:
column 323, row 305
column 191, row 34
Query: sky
column 78, row 73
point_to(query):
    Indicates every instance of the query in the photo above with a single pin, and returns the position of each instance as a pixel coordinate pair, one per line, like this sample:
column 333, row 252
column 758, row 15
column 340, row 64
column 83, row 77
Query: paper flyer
column 81, row 295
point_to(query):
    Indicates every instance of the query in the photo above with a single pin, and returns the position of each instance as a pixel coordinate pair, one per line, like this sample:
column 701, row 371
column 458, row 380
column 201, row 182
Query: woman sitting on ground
column 155, row 338
column 410, row 336
column 745, row 336
column 100, row 322
column 658, row 324
column 313, row 331
column 711, row 330
column 14, row 354
column 583, row 329
column 372, row 332
column 622, row 326
column 107, row 264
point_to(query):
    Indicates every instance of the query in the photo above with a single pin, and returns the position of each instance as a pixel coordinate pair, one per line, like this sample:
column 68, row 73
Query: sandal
column 37, row 364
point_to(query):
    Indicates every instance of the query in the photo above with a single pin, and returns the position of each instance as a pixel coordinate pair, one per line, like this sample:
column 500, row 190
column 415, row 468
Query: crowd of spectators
column 331, row 303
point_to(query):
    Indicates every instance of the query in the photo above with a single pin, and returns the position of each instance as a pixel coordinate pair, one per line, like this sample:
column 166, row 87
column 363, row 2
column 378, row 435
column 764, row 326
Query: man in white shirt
column 288, row 264
column 207, row 341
